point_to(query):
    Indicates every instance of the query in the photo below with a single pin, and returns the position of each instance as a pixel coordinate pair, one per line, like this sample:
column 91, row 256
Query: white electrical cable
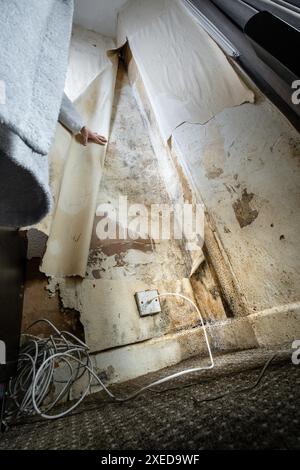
column 39, row 360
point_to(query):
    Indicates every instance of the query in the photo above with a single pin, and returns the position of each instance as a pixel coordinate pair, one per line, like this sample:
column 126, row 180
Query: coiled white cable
column 39, row 359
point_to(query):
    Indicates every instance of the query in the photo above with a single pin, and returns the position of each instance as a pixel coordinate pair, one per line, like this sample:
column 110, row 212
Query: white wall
column 98, row 15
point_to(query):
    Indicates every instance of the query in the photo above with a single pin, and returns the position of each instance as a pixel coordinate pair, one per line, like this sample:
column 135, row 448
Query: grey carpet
column 267, row 417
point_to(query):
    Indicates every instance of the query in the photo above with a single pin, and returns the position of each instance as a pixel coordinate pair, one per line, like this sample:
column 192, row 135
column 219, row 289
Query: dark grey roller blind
column 238, row 11
column 282, row 9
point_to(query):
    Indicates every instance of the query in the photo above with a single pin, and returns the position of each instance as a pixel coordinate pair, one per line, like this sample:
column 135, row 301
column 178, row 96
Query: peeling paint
column 109, row 313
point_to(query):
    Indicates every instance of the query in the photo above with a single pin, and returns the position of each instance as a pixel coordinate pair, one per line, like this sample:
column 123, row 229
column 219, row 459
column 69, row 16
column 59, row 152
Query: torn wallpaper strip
column 185, row 73
column 75, row 171
column 87, row 59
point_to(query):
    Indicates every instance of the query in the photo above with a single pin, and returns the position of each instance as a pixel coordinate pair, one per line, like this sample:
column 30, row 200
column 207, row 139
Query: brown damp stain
column 245, row 215
column 119, row 245
column 214, row 173
column 207, row 293
column 37, row 299
column 294, row 146
column 214, row 156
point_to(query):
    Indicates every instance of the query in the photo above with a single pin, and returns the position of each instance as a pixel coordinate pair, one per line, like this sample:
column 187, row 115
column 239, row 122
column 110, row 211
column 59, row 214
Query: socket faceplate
column 146, row 307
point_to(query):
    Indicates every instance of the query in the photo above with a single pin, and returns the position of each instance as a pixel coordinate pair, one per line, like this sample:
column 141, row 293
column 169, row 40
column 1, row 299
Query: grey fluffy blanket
column 34, row 43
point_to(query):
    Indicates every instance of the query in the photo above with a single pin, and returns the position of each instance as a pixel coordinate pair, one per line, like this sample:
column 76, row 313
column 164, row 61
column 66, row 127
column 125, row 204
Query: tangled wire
column 39, row 373
column 42, row 380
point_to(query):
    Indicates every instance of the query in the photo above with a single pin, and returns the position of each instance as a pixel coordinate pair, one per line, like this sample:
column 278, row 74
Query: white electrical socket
column 147, row 302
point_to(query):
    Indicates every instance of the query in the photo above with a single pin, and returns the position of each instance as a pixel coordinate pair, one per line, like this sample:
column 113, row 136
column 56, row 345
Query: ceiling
column 98, row 15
